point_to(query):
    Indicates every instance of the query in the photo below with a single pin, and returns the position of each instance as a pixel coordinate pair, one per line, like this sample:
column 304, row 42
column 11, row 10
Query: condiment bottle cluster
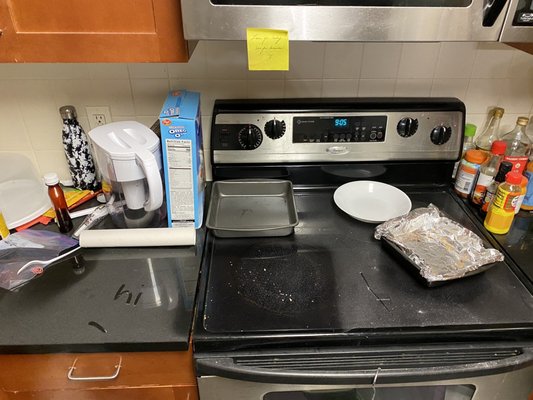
column 496, row 172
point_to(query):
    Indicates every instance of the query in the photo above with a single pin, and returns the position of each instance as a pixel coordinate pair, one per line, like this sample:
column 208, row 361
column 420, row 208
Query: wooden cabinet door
column 120, row 394
column 91, row 31
column 143, row 375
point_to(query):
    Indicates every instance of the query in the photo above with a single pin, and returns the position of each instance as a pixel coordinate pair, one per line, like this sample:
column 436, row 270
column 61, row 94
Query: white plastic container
column 23, row 195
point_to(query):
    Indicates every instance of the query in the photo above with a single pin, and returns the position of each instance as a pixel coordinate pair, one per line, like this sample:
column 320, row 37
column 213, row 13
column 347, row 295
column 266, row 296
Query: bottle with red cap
column 502, row 208
column 487, row 172
column 518, row 145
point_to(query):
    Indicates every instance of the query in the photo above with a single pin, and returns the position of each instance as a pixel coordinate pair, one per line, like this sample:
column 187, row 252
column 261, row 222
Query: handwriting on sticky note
column 268, row 49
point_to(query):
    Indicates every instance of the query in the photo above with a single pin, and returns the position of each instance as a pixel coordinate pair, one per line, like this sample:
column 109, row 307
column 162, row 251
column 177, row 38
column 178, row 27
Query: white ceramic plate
column 371, row 201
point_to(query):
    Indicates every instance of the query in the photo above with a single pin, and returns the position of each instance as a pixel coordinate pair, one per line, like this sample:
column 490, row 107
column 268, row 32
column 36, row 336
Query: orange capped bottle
column 502, row 208
column 468, row 170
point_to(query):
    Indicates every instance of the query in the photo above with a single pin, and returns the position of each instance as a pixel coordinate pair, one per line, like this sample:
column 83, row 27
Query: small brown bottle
column 63, row 220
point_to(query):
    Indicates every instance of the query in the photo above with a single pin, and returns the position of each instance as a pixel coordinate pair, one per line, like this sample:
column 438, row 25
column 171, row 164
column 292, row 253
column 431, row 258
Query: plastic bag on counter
column 439, row 248
column 25, row 255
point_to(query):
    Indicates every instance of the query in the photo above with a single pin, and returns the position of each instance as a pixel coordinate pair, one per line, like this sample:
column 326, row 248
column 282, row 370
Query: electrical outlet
column 98, row 116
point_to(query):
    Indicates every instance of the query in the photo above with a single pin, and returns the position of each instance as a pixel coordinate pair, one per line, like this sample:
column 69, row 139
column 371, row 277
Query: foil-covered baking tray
column 252, row 208
column 434, row 246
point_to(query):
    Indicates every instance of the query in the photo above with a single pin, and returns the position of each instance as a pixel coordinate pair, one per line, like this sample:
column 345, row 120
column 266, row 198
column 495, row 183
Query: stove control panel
column 245, row 135
column 339, row 129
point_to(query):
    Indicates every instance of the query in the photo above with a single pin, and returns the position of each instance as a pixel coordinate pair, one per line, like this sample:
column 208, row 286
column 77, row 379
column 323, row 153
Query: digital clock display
column 340, row 122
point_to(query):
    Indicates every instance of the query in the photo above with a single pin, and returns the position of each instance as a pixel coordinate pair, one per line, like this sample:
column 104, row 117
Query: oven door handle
column 254, row 369
column 492, row 10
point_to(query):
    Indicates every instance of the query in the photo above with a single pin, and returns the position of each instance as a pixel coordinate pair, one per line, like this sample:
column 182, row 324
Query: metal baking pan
column 252, row 208
column 398, row 252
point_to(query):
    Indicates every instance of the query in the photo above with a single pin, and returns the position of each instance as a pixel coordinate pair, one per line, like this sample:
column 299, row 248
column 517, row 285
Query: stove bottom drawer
column 514, row 385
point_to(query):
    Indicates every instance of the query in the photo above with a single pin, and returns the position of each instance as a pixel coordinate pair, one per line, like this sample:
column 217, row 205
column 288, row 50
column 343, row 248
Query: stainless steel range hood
column 357, row 20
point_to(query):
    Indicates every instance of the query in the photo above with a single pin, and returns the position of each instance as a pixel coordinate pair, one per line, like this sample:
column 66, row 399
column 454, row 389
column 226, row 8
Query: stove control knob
column 407, row 127
column 441, row 134
column 275, row 129
column 250, row 137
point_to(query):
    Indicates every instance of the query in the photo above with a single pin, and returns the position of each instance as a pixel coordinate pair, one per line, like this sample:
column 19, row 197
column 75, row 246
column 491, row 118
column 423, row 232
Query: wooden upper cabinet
column 91, row 31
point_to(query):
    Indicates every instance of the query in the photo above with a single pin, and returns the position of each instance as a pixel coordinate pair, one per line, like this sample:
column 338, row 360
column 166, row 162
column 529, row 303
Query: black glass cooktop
column 331, row 275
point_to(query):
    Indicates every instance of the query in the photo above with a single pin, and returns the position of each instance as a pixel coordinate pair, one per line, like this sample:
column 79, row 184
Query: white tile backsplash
column 265, row 89
column 493, row 60
column 376, row 87
column 306, row 60
column 455, row 60
column 343, row 60
column 381, row 60
column 339, row 87
column 413, row 87
column 483, row 75
column 450, row 87
column 418, row 60
column 303, row 88
column 226, row 60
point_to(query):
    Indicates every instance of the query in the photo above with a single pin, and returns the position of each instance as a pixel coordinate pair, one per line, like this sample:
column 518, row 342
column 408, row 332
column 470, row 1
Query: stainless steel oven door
column 518, row 26
column 347, row 20
column 508, row 386
column 495, row 371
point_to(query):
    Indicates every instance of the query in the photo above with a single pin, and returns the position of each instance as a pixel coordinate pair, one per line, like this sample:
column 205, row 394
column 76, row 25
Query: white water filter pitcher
column 128, row 157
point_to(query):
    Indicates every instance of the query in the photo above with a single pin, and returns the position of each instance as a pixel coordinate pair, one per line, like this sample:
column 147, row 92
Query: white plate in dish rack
column 371, row 201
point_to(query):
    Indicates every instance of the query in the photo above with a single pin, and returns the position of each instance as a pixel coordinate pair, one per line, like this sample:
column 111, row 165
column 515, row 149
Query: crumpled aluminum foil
column 441, row 248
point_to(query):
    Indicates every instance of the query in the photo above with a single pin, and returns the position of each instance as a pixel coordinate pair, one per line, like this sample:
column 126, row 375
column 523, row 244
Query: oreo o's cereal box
column 183, row 161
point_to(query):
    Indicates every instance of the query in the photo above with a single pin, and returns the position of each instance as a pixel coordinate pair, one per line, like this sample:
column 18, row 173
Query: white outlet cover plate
column 100, row 110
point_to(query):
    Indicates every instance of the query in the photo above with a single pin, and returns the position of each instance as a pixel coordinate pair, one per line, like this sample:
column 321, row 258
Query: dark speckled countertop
column 126, row 299
column 517, row 243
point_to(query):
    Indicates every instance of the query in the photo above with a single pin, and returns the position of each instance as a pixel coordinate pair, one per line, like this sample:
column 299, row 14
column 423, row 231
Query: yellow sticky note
column 268, row 49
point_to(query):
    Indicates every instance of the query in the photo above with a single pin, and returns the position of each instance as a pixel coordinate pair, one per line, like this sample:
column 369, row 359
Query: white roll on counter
column 142, row 237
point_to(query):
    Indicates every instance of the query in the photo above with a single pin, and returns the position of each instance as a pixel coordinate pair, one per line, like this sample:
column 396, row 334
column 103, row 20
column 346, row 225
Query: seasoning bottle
column 4, row 231
column 518, row 145
column 491, row 131
column 523, row 186
column 467, row 172
column 501, row 210
column 468, row 143
column 57, row 197
column 77, row 151
column 505, row 168
column 527, row 204
column 487, row 171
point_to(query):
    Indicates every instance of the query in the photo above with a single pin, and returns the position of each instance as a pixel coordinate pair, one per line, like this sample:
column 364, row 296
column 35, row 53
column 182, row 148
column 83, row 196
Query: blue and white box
column 183, row 161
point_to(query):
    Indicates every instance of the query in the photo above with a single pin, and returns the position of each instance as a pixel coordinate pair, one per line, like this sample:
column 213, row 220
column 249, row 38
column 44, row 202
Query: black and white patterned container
column 79, row 158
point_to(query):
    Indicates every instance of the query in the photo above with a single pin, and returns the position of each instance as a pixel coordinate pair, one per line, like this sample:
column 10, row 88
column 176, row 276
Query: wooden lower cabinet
column 146, row 376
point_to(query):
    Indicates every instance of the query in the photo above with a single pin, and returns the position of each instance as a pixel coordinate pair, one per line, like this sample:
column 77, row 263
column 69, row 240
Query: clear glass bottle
column 518, row 145
column 468, row 143
column 505, row 168
column 487, row 172
column 491, row 131
column 57, row 197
